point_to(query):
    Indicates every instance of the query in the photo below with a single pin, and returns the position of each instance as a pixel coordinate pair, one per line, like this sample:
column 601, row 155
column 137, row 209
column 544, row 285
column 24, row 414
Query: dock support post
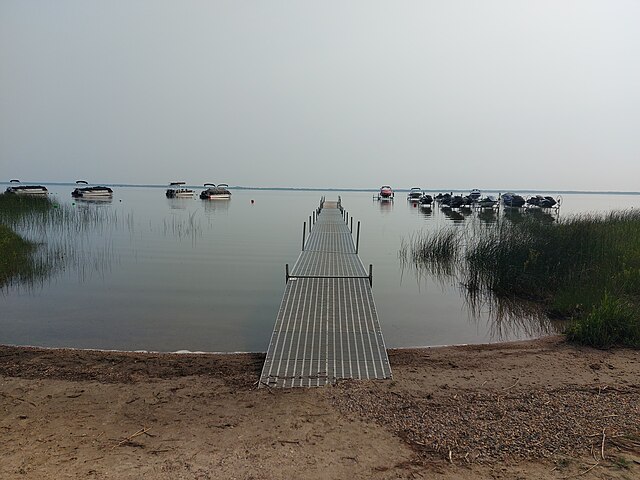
column 304, row 232
column 351, row 225
column 286, row 272
column 370, row 274
column 358, row 238
column 309, row 223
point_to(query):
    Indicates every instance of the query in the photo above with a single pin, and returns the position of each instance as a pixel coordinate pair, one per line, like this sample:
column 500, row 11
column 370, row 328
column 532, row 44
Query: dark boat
column 91, row 192
column 426, row 200
column 538, row 201
column 216, row 192
column 512, row 200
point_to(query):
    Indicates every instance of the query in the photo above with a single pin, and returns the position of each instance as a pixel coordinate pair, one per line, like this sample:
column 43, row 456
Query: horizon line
column 349, row 189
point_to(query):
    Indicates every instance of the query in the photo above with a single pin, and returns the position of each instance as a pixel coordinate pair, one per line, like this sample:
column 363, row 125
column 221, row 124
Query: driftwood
column 142, row 431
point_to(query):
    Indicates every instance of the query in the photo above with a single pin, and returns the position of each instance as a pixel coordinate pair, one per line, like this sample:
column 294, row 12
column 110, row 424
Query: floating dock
column 327, row 326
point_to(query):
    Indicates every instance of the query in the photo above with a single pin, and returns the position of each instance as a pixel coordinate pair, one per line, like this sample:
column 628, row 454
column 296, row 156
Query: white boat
column 216, row 192
column 414, row 194
column 96, row 191
column 176, row 190
column 17, row 189
column 475, row 194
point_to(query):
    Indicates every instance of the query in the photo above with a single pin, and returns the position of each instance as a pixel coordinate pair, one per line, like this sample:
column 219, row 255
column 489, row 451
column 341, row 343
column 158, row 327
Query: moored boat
column 539, row 201
column 386, row 193
column 216, row 192
column 512, row 200
column 426, row 200
column 18, row 189
column 414, row 194
column 96, row 191
column 475, row 194
column 176, row 190
column 488, row 201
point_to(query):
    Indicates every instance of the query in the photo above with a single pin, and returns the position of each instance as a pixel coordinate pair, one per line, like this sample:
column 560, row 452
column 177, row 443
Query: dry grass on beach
column 538, row 409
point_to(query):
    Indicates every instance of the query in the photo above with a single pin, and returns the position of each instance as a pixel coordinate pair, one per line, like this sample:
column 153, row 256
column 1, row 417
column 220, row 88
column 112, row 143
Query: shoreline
column 198, row 352
column 531, row 409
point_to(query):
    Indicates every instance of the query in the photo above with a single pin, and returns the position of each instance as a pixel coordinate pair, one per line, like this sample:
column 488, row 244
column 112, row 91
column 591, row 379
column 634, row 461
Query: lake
column 173, row 274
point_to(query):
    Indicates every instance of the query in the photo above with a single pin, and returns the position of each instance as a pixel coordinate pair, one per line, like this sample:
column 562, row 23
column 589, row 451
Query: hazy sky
column 506, row 94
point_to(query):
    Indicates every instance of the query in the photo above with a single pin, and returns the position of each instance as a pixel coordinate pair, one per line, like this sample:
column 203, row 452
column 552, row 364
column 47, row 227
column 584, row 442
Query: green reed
column 437, row 251
column 566, row 265
column 52, row 236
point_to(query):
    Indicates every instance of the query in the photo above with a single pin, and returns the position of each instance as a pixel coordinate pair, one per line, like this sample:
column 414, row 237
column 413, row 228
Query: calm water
column 199, row 275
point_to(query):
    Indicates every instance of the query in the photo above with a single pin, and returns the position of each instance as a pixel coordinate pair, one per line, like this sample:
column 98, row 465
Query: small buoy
column 252, row 201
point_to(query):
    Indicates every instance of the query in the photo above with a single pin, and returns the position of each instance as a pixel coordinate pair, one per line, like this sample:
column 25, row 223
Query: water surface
column 174, row 274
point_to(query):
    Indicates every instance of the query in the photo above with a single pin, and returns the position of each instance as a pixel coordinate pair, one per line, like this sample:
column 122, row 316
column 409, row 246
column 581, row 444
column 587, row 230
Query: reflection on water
column 94, row 201
column 386, row 205
column 509, row 317
column 216, row 206
column 178, row 203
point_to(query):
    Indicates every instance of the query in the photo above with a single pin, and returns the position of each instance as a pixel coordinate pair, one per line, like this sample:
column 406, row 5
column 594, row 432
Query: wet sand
column 536, row 409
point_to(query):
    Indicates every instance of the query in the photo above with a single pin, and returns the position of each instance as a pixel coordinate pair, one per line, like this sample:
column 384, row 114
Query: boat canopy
column 82, row 182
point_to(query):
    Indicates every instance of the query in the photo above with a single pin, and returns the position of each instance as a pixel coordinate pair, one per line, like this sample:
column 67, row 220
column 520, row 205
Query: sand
column 536, row 409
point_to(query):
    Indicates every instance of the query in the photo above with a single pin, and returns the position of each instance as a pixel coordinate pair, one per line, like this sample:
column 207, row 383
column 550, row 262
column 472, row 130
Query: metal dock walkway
column 327, row 327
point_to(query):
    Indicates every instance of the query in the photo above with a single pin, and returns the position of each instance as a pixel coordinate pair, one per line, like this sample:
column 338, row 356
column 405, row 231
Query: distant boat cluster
column 474, row 199
column 98, row 192
column 212, row 192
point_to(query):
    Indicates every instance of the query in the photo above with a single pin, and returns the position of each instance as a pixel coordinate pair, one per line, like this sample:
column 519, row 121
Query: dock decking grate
column 327, row 328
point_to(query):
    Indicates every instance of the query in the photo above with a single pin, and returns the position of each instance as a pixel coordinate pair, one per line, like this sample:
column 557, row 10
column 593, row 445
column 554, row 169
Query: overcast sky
column 501, row 94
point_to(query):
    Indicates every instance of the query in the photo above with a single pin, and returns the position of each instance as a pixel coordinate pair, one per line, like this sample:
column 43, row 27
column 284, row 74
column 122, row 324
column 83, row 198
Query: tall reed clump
column 15, row 254
column 438, row 251
column 18, row 261
column 585, row 268
column 568, row 265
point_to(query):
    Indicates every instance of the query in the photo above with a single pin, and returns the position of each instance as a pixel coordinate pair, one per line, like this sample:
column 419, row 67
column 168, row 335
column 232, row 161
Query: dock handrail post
column 304, row 232
column 346, row 218
column 309, row 223
column 370, row 274
column 351, row 225
column 358, row 238
column 286, row 271
column 314, row 217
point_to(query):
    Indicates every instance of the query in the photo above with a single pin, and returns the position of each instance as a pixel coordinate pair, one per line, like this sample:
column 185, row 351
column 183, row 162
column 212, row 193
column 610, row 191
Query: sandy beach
column 535, row 409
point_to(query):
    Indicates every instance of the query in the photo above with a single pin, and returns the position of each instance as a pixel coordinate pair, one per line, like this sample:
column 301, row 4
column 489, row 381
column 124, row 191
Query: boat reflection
column 386, row 205
column 426, row 211
column 215, row 206
column 94, row 201
column 178, row 203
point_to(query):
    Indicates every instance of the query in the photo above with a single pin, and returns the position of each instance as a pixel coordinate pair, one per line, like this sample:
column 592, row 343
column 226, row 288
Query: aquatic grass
column 565, row 265
column 437, row 251
column 58, row 236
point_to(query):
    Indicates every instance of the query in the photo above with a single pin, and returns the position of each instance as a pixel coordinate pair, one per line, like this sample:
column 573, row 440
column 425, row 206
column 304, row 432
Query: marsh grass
column 40, row 237
column 566, row 265
column 437, row 251
column 17, row 260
